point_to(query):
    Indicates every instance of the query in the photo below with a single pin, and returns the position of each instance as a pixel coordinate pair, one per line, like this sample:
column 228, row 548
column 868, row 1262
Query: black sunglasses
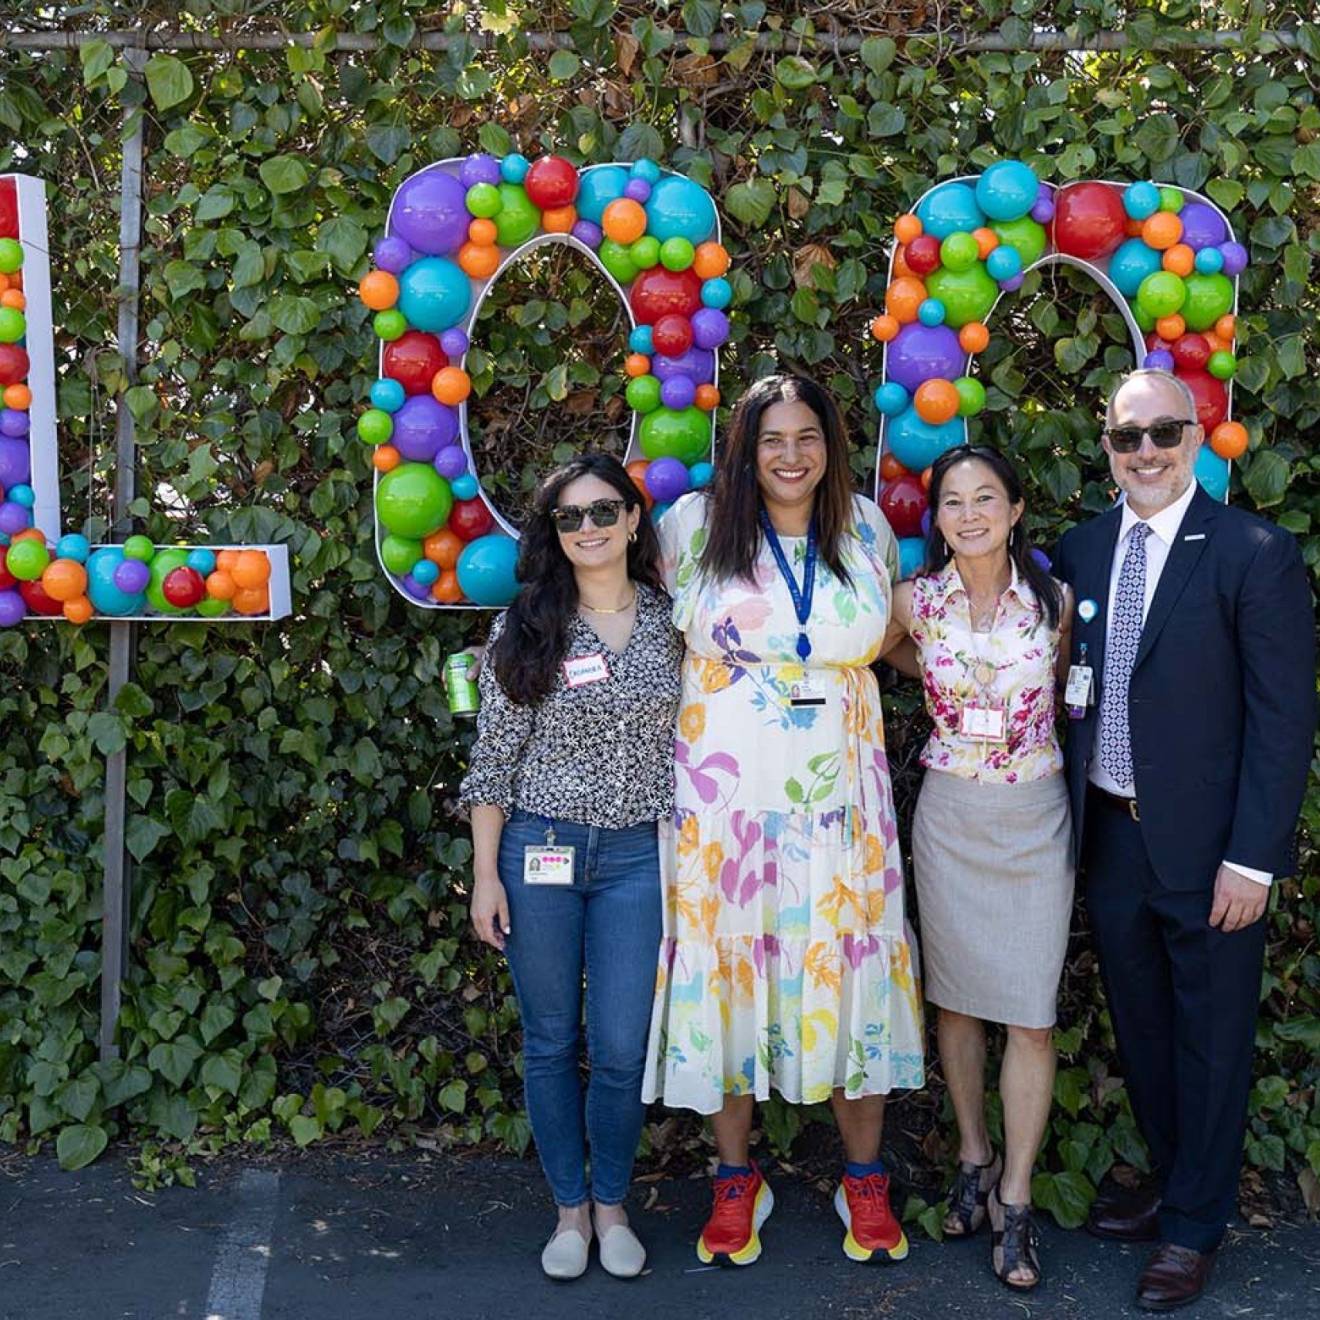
column 1163, row 435
column 603, row 513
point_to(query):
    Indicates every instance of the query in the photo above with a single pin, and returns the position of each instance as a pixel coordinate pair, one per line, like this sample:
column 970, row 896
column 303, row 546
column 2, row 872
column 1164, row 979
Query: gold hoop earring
column 632, row 536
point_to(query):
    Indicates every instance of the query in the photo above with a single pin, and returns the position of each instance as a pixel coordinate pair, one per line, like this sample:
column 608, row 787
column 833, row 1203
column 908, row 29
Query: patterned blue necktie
column 1120, row 656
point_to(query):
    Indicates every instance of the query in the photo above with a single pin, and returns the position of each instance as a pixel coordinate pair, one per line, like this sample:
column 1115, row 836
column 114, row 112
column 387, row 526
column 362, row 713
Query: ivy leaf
column 79, row 1144
column 142, row 834
column 174, row 1059
column 1266, row 478
column 224, row 1071
column 453, row 1096
column 283, row 174
column 885, row 120
column 294, row 315
column 751, row 202
column 106, row 730
column 387, row 142
column 878, row 53
column 168, row 80
column 564, row 65
column 795, row 73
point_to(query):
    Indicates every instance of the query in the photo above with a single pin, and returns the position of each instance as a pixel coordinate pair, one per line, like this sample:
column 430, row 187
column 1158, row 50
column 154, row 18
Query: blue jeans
column 607, row 923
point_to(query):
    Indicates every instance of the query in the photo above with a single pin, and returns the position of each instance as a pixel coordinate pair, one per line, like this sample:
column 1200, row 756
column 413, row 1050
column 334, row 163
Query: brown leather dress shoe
column 1174, row 1276
column 1125, row 1214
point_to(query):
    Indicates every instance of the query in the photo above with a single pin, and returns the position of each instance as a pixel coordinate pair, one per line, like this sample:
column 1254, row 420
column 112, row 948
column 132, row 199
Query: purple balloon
column 588, row 232
column 1041, row 558
column 1203, row 226
column 710, row 327
column 1158, row 359
column 480, row 168
column 14, row 422
column 677, row 392
column 392, row 254
column 422, row 427
column 15, row 463
column 640, row 191
column 430, row 213
column 1235, row 258
column 1014, row 284
column 13, row 518
column 132, row 576
column 667, row 479
column 925, row 521
column 418, row 590
column 454, row 342
column 1043, row 210
column 698, row 363
column 451, row 461
column 12, row 608
column 921, row 352
column 1045, row 191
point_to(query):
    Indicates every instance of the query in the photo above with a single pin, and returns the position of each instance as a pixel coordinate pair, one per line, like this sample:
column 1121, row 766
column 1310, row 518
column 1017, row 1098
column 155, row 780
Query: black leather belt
column 1127, row 805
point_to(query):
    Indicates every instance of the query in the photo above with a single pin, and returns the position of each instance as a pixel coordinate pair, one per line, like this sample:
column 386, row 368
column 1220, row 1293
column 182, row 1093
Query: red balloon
column 8, row 208
column 183, row 587
column 659, row 292
column 469, row 519
column 903, row 501
column 1210, row 395
column 14, row 364
column 923, row 254
column 1089, row 220
column 672, row 335
column 37, row 599
column 1191, row 351
column 413, row 359
column 7, row 579
column 552, row 181
column 1153, row 341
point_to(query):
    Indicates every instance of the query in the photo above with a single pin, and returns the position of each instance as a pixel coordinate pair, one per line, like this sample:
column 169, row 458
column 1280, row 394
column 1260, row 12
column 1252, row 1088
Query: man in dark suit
column 1186, row 773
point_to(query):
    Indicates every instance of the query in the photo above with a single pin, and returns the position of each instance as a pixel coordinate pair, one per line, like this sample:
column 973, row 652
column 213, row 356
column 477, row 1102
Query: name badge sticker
column 984, row 723
column 584, row 669
column 1079, row 692
column 805, row 692
column 545, row 864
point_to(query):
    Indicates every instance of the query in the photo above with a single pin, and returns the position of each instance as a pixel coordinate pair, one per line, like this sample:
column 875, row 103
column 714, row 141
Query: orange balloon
column 711, row 260
column 973, row 337
column 385, row 458
column 18, row 396
column 890, row 468
column 637, row 471
column 443, row 548
column 884, row 328
column 637, row 364
column 559, row 219
column 1225, row 328
column 12, row 298
column 904, row 296
column 4, row 282
column 16, row 280
column 1161, row 230
column 900, row 266
column 30, row 534
column 907, row 227
column 251, row 570
column 482, row 232
column 1170, row 328
column 64, row 579
column 708, row 398
column 1133, row 228
column 1213, row 341
column 986, row 241
column 624, row 220
column 225, row 560
column 936, row 400
column 478, row 263
column 78, row 610
column 925, row 479
column 451, row 385
column 1229, row 440
column 1180, row 259
column 445, row 588
column 252, row 600
column 220, row 585
column 379, row 290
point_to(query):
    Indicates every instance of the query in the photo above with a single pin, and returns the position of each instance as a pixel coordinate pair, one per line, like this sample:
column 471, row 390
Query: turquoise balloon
column 1003, row 263
column 1209, row 261
column 891, row 398
column 911, row 556
column 107, row 598
column 202, row 560
column 949, row 208
column 425, row 571
column 717, row 293
column 1133, row 261
column 702, row 474
column 399, row 553
column 434, row 294
column 967, row 295
column 1212, row 472
column 1007, row 190
column 917, row 444
column 162, row 565
column 679, row 208
column 413, row 500
column 931, row 312
column 514, row 167
column 487, row 570
column 464, row 487
column 646, row 170
column 1025, row 235
column 599, row 187
column 684, row 435
column 1141, row 200
column 387, row 394
column 1208, row 298
column 73, row 545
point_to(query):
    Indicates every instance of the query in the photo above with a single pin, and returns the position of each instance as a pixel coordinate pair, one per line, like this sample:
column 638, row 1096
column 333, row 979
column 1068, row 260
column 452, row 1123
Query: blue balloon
column 640, row 341
column 717, row 293
column 486, row 570
column 107, row 598
column 514, row 167
column 1004, row 262
column 916, row 443
column 464, row 487
column 1007, row 190
column 387, row 394
column 950, row 209
column 73, row 546
column 1210, row 261
column 702, row 474
column 891, row 398
column 1141, row 200
column 600, row 185
column 22, row 494
column 646, row 170
column 658, row 511
column 1212, row 472
column 434, row 294
column 202, row 560
column 679, row 208
column 911, row 556
column 1133, row 261
column 425, row 571
column 931, row 312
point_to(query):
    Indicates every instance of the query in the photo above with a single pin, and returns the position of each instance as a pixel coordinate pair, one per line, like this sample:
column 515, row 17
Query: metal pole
column 117, row 889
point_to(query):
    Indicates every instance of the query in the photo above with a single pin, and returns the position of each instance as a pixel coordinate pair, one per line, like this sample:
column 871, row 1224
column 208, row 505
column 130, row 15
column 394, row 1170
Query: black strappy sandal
column 967, row 1197
column 1013, row 1244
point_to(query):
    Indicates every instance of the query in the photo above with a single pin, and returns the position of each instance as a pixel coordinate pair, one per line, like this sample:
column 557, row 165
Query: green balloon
column 677, row 253
column 139, row 547
column 27, row 559
column 1025, row 235
column 1145, row 321
column 959, row 251
column 684, row 435
column 399, row 553
column 1222, row 365
column 645, row 252
column 11, row 255
column 618, row 260
column 375, row 426
column 389, row 324
column 1162, row 293
column 161, row 567
column 1171, row 199
column 643, row 394
column 518, row 219
column 13, row 325
column 484, row 201
column 971, row 395
column 1208, row 298
column 210, row 608
column 413, row 501
column 967, row 295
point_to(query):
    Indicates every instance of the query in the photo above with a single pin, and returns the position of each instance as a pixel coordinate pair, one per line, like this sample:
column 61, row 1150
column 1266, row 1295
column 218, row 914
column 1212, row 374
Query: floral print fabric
column 786, row 962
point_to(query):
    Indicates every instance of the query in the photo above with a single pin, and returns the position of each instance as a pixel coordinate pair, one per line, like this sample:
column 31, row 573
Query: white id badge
column 984, row 723
column 584, row 669
column 1079, row 692
column 806, row 691
column 547, row 864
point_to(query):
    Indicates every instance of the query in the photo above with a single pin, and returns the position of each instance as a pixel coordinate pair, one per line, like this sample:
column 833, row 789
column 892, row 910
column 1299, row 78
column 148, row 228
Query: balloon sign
column 1165, row 255
column 453, row 228
column 66, row 577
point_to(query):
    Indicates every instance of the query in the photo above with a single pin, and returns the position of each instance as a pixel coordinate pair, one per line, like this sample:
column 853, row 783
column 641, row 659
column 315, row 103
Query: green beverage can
column 459, row 688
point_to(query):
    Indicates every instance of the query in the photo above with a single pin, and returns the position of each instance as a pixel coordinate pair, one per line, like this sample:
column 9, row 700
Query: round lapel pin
column 1086, row 610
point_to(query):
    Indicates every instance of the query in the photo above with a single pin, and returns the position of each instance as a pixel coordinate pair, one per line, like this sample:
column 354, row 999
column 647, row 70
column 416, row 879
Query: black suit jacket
column 1222, row 699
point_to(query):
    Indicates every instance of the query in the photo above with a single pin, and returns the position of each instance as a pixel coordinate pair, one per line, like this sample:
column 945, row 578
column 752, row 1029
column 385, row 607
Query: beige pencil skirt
column 994, row 877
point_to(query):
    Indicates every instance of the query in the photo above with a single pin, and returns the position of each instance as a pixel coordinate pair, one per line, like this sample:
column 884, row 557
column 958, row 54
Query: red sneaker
column 743, row 1203
column 863, row 1205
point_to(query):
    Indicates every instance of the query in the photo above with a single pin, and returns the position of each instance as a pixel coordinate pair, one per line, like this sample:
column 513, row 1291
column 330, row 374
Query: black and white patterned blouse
column 600, row 753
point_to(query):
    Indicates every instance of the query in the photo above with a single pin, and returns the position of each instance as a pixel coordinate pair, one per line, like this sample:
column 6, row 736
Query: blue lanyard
column 801, row 597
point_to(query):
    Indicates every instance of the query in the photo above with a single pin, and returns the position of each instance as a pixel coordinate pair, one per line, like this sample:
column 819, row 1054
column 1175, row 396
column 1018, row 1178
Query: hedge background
column 301, row 962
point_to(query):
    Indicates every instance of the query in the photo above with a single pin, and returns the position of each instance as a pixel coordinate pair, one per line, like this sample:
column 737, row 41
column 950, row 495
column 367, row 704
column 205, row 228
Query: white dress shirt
column 1163, row 532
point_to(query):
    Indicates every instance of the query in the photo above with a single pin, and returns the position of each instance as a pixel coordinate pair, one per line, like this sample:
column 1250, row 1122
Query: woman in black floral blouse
column 572, row 769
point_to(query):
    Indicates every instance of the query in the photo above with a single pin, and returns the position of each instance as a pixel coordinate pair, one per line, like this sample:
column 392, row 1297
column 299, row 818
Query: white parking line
column 239, row 1278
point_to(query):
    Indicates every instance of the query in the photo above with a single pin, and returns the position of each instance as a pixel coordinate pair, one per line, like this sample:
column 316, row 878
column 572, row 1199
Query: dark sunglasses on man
column 1164, row 434
column 603, row 513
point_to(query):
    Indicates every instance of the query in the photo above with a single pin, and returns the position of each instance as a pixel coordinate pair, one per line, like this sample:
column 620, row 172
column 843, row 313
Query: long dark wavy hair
column 733, row 521
column 1047, row 591
column 528, row 653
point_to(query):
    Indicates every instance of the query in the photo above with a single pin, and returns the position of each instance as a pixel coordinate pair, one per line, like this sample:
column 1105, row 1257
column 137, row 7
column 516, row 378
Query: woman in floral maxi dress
column 786, row 962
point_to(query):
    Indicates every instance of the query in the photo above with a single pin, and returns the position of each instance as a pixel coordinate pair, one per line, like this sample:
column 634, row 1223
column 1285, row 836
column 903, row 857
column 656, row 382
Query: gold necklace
column 600, row 609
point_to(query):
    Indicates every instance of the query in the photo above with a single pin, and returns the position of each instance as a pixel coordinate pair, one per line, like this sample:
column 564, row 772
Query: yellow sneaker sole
column 854, row 1249
column 751, row 1249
